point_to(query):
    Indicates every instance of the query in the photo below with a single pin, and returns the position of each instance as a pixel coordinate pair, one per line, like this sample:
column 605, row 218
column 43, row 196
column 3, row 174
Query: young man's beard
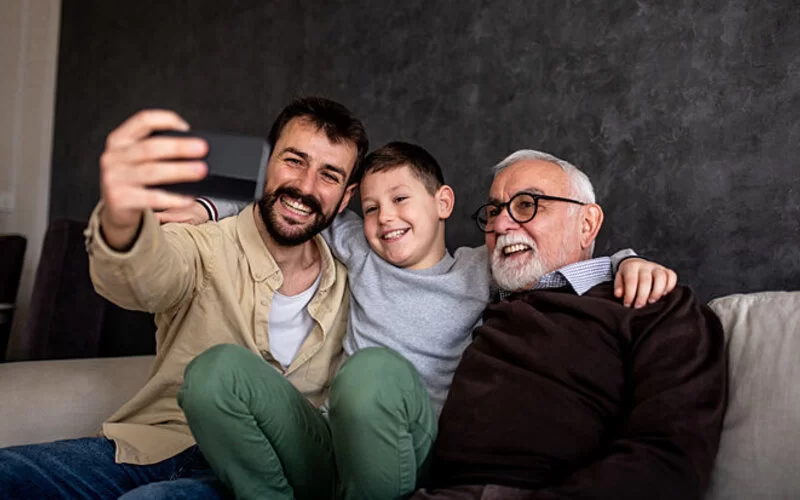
column 277, row 228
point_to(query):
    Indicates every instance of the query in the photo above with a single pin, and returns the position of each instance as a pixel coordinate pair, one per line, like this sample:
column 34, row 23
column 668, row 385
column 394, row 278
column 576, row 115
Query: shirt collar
column 581, row 276
column 263, row 265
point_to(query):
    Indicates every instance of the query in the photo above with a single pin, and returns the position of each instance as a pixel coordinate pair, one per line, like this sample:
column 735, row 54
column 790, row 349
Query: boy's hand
column 644, row 281
column 193, row 214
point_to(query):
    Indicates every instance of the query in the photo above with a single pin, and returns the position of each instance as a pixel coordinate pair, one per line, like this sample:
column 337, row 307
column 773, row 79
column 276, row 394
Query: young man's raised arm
column 161, row 269
column 132, row 260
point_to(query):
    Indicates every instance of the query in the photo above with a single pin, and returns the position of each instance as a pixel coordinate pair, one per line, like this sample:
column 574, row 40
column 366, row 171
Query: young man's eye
column 293, row 161
column 330, row 177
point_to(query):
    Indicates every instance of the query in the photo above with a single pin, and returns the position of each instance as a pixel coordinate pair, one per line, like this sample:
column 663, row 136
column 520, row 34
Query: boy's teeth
column 394, row 234
column 515, row 248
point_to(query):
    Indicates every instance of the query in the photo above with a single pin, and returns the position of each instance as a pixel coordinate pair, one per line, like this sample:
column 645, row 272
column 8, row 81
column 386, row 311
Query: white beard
column 520, row 272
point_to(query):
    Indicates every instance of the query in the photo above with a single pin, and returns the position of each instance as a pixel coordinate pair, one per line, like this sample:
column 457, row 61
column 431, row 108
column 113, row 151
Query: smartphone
column 237, row 166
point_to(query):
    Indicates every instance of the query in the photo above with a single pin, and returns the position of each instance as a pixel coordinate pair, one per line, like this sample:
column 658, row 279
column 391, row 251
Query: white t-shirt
column 290, row 323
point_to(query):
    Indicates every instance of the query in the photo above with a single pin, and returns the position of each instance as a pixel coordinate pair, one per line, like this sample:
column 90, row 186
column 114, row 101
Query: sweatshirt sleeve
column 666, row 447
column 618, row 257
column 219, row 208
column 346, row 238
column 161, row 270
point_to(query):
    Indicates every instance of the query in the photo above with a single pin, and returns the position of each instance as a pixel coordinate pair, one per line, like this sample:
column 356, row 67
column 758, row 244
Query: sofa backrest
column 759, row 455
column 12, row 257
column 67, row 318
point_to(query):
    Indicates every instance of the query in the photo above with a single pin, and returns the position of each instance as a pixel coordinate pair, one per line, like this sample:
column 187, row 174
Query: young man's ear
column 348, row 193
column 445, row 201
column 592, row 219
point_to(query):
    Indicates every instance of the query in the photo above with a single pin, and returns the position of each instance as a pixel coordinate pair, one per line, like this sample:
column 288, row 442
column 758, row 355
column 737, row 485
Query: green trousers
column 265, row 440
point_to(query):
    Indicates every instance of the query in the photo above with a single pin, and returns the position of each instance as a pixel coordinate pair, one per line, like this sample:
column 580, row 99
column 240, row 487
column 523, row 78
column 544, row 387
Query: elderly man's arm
column 666, row 446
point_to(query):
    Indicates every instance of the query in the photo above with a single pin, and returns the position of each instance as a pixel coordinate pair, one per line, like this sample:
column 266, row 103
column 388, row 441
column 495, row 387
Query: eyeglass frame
column 507, row 206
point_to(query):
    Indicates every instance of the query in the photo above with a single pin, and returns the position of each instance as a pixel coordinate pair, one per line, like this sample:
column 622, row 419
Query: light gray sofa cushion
column 759, row 455
column 49, row 400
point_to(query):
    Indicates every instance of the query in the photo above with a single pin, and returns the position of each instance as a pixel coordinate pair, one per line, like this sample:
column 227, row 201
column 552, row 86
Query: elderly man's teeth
column 519, row 247
column 297, row 206
column 394, row 234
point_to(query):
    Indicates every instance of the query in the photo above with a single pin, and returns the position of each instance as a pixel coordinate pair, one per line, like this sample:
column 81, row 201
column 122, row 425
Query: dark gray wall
column 684, row 113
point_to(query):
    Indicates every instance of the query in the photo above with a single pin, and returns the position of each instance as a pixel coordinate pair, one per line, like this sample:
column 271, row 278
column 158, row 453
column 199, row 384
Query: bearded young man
column 565, row 393
column 208, row 285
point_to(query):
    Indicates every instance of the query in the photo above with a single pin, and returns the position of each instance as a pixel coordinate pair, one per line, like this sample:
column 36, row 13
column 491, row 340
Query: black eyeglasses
column 522, row 208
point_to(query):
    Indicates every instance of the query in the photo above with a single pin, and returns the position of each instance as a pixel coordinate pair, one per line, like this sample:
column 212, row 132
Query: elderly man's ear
column 590, row 225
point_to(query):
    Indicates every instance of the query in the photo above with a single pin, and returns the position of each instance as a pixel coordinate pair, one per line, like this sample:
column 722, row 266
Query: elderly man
column 565, row 393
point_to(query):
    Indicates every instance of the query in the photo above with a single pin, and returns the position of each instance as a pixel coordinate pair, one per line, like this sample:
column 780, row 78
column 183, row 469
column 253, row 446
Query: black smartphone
column 237, row 166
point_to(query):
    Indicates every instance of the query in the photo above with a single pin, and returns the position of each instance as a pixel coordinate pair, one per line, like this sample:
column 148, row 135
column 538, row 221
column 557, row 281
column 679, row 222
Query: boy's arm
column 345, row 237
column 618, row 257
column 204, row 209
column 639, row 281
column 161, row 269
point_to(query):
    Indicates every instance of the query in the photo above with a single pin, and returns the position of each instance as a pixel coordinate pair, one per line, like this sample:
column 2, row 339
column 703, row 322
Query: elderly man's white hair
column 582, row 189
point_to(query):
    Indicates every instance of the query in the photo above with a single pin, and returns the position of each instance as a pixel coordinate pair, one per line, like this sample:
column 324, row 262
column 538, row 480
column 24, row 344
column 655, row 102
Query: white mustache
column 505, row 240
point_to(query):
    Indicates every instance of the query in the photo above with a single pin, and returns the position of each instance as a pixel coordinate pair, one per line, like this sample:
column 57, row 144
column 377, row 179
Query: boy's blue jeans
column 85, row 468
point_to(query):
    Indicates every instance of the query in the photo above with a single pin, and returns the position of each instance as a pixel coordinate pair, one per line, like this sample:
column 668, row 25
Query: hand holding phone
column 236, row 165
column 132, row 163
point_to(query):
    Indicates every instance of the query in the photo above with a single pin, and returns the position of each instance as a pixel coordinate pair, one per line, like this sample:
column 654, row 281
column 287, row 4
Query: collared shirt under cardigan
column 209, row 284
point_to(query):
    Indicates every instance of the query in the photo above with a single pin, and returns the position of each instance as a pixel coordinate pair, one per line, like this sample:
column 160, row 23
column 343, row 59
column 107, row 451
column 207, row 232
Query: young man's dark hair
column 338, row 123
column 401, row 154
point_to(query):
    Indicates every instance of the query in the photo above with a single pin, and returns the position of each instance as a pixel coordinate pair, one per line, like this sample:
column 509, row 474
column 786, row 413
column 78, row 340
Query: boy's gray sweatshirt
column 427, row 316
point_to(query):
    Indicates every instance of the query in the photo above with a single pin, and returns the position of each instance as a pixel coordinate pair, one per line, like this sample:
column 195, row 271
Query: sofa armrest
column 44, row 401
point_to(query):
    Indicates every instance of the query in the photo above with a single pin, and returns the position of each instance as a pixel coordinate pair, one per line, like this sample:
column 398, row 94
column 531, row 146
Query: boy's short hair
column 403, row 154
column 338, row 123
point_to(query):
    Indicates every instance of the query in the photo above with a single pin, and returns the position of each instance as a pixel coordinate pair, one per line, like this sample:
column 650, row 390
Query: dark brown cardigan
column 579, row 397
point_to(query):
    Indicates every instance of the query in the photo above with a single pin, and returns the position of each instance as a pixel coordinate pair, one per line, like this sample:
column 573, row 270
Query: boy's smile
column 403, row 221
column 394, row 235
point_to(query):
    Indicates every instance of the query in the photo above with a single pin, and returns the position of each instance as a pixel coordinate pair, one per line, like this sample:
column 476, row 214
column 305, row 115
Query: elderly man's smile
column 515, row 249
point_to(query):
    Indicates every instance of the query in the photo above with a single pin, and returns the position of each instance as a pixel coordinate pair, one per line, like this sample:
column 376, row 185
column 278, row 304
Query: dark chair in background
column 67, row 318
column 12, row 258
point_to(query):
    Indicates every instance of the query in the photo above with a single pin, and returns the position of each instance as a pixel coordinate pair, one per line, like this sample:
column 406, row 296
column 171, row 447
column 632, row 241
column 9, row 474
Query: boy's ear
column 592, row 220
column 445, row 201
column 348, row 193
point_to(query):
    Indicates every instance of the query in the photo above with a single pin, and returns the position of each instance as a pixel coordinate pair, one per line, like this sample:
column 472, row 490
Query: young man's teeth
column 394, row 234
column 515, row 248
column 297, row 206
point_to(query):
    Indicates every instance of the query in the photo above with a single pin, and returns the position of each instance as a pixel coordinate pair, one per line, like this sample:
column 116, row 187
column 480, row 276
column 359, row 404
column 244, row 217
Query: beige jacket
column 210, row 284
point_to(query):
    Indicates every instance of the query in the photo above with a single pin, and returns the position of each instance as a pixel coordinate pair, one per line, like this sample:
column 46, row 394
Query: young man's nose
column 306, row 182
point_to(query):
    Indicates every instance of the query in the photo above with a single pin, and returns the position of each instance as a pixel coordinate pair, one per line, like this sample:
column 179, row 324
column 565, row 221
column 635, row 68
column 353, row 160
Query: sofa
column 759, row 456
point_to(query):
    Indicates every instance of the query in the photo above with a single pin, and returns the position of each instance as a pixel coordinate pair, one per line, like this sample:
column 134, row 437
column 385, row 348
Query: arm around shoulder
column 345, row 237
